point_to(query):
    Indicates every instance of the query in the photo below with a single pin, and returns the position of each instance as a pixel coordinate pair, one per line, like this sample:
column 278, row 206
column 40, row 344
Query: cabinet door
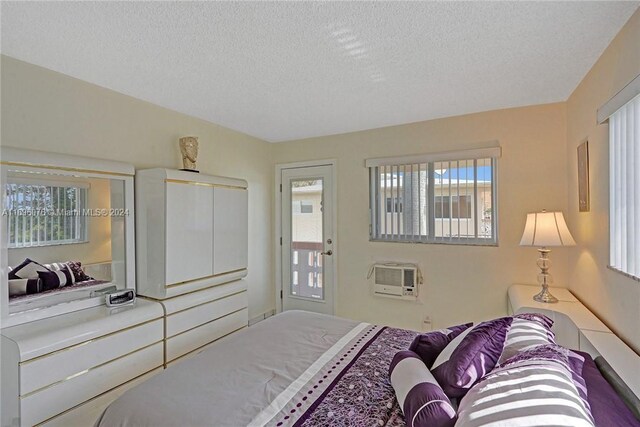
column 230, row 229
column 189, row 232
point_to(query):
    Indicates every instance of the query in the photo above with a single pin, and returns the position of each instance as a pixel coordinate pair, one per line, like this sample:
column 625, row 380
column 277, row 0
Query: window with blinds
column 624, row 181
column 43, row 215
column 439, row 198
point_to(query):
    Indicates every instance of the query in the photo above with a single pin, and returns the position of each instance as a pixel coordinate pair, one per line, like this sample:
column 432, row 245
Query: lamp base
column 545, row 296
column 544, row 278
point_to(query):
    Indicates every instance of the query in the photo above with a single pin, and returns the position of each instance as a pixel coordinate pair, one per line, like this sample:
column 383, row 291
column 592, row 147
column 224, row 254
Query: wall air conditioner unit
column 394, row 280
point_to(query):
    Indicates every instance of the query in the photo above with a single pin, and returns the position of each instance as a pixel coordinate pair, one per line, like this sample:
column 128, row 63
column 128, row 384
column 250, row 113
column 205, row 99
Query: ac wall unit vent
column 396, row 280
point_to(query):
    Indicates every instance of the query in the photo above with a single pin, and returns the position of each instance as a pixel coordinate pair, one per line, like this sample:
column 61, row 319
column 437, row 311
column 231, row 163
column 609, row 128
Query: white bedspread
column 230, row 383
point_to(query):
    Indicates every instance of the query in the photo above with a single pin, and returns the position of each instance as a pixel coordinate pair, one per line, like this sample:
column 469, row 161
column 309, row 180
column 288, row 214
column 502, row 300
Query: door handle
column 329, row 252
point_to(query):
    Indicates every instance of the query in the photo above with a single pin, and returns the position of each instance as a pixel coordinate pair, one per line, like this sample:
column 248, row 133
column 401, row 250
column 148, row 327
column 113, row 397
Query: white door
column 307, row 239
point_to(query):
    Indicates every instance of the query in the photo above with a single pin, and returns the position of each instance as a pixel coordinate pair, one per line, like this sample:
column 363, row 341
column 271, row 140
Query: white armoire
column 192, row 243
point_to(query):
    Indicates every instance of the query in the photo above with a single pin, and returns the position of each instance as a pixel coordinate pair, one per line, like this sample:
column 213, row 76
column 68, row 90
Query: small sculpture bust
column 189, row 150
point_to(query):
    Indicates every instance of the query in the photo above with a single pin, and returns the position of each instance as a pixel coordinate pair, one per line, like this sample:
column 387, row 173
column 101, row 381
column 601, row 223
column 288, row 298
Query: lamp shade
column 546, row 229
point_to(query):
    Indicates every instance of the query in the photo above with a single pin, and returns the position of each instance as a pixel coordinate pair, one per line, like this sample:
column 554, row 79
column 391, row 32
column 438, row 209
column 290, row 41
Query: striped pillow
column 419, row 395
column 536, row 387
column 55, row 279
column 28, row 269
column 470, row 356
column 24, row 287
column 527, row 331
column 75, row 267
column 476, row 351
column 60, row 266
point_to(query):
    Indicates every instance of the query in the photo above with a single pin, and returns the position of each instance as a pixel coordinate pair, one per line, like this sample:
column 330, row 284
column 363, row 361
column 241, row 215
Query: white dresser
column 65, row 370
column 197, row 319
column 192, row 244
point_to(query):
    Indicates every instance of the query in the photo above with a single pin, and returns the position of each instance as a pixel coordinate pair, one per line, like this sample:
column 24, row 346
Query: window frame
column 622, row 253
column 430, row 238
column 81, row 222
column 297, row 207
column 306, row 204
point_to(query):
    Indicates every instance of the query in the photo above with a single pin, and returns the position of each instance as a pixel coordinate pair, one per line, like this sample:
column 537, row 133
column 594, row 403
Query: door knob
column 329, row 252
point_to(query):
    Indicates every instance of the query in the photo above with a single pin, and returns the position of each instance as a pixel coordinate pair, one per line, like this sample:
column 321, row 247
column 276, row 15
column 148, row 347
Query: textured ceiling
column 282, row 71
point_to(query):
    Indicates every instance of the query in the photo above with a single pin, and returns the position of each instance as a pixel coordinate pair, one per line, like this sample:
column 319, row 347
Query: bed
column 294, row 369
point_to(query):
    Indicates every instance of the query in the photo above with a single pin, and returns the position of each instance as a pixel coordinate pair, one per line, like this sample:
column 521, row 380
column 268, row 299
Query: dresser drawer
column 87, row 414
column 48, row 402
column 59, row 365
column 199, row 350
column 199, row 315
column 202, row 335
column 213, row 292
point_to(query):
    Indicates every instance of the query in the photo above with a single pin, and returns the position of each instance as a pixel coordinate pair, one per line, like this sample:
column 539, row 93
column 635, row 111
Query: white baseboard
column 261, row 317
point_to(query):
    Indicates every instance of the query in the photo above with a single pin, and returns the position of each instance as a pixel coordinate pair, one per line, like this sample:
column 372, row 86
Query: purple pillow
column 607, row 408
column 472, row 358
column 429, row 345
column 423, row 402
column 473, row 354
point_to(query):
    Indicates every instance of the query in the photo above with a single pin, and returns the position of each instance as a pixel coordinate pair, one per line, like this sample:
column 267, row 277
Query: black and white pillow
column 28, row 269
column 19, row 287
column 423, row 402
column 78, row 272
column 59, row 266
column 55, row 279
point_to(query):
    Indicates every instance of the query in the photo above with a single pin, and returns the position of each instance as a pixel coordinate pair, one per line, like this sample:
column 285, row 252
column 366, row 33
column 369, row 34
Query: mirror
column 65, row 237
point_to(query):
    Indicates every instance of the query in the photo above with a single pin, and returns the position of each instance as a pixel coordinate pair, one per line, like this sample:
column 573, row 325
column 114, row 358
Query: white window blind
column 624, row 180
column 45, row 214
column 437, row 198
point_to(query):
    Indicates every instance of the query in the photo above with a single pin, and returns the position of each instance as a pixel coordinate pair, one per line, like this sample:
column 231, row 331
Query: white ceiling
column 283, row 71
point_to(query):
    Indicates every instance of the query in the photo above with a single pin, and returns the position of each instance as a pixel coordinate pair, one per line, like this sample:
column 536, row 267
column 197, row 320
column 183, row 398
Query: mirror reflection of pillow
column 55, row 279
column 24, row 287
column 74, row 266
column 28, row 269
column 78, row 272
column 58, row 266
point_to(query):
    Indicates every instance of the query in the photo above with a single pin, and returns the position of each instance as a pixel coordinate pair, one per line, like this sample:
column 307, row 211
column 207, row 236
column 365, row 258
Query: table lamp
column 545, row 229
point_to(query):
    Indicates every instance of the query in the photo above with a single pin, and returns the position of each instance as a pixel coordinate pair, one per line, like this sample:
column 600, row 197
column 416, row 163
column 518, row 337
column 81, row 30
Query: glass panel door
column 307, row 239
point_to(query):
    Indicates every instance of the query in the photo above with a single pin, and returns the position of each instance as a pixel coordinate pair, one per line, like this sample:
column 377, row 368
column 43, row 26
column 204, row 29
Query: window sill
column 464, row 243
column 627, row 275
column 43, row 245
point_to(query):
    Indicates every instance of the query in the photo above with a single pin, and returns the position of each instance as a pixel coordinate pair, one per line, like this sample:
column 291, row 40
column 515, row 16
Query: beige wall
column 48, row 111
column 462, row 282
column 613, row 297
column 44, row 110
